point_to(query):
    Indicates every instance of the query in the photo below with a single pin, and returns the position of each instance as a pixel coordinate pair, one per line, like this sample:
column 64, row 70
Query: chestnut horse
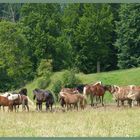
column 73, row 99
column 95, row 90
column 5, row 102
column 67, row 90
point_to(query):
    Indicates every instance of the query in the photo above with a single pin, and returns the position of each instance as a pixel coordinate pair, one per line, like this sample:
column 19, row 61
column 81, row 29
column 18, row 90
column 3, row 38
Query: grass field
column 102, row 121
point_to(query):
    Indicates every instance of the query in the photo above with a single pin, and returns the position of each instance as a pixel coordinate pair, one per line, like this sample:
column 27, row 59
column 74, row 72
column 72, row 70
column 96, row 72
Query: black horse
column 43, row 96
column 80, row 87
column 23, row 92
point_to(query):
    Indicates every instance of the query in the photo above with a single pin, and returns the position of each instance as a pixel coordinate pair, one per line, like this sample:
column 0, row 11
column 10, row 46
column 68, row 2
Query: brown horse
column 95, row 90
column 70, row 90
column 67, row 90
column 73, row 99
column 125, row 93
column 5, row 102
column 21, row 100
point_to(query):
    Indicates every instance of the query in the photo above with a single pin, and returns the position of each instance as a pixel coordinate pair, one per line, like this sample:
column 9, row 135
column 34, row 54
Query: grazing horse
column 6, row 94
column 73, row 99
column 97, row 90
column 18, row 100
column 67, row 90
column 5, row 102
column 43, row 96
column 121, row 93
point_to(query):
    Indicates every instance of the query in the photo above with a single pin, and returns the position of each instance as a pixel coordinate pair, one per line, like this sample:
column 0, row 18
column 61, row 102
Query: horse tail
column 30, row 101
column 23, row 104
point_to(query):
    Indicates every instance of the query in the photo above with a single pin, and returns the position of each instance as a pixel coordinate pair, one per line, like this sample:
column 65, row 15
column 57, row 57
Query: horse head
column 23, row 92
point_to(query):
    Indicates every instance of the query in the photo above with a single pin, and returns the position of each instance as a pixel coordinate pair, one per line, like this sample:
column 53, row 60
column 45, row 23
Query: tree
column 10, row 11
column 128, row 38
column 15, row 63
column 42, row 24
column 92, row 37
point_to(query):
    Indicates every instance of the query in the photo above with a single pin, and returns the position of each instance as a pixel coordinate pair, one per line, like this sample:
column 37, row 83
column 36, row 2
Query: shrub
column 45, row 68
column 69, row 79
column 43, row 83
column 56, row 88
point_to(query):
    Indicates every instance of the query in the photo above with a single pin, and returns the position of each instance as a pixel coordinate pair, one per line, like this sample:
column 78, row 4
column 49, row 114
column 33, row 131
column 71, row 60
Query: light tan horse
column 74, row 99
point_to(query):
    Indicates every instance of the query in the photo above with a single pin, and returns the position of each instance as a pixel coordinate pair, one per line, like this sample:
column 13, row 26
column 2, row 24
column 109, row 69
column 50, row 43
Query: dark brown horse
column 43, row 96
column 95, row 90
column 21, row 100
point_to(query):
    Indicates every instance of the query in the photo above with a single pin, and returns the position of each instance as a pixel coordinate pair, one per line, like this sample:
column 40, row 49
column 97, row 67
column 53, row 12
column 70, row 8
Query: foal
column 73, row 99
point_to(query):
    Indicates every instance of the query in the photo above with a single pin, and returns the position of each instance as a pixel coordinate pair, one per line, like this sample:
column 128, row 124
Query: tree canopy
column 85, row 37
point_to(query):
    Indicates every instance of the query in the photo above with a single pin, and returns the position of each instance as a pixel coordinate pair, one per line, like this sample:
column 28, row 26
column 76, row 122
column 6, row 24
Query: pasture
column 107, row 121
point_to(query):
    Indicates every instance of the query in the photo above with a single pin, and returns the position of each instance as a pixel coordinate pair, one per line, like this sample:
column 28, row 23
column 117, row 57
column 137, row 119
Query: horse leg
column 102, row 100
column 37, row 106
column 40, row 106
column 51, row 107
column 23, row 105
column 14, row 107
column 91, row 98
column 27, row 107
column 97, row 99
column 47, row 106
column 77, row 106
column 3, row 108
column 67, row 106
column 117, row 102
column 130, row 102
column 122, row 102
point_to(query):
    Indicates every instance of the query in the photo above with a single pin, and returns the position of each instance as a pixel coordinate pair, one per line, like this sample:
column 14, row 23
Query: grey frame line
column 69, row 1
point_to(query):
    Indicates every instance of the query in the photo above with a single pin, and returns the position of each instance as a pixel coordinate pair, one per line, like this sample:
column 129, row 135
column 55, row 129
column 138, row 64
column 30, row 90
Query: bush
column 56, row 88
column 45, row 68
column 69, row 79
column 43, row 83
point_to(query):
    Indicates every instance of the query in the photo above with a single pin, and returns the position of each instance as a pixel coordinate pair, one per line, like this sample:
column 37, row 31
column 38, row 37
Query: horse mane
column 99, row 82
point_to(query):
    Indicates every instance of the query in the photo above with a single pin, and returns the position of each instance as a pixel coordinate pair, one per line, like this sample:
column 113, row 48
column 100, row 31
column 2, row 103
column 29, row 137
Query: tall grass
column 100, row 122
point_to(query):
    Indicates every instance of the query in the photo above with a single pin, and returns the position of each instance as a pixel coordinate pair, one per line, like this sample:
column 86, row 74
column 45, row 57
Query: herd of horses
column 70, row 98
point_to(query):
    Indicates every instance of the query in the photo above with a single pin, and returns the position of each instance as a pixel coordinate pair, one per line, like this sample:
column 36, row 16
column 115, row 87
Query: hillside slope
column 120, row 77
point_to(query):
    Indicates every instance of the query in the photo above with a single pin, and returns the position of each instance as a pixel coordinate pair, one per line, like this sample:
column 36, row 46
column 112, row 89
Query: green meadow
column 119, row 77
column 108, row 121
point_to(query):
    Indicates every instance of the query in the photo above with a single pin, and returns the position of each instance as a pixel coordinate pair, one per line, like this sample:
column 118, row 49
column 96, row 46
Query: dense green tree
column 43, row 31
column 90, row 34
column 128, row 36
column 15, row 65
column 10, row 11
